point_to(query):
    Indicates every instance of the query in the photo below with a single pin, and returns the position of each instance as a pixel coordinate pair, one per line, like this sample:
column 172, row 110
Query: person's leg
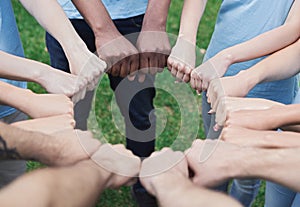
column 11, row 169
column 58, row 60
column 135, row 101
column 208, row 123
column 245, row 190
column 296, row 202
column 278, row 196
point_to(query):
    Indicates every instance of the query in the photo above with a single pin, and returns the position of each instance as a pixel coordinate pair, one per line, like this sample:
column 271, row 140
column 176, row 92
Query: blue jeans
column 280, row 196
column 243, row 190
column 138, row 112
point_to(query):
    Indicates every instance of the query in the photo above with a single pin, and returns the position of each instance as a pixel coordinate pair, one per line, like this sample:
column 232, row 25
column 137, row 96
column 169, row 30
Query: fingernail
column 210, row 111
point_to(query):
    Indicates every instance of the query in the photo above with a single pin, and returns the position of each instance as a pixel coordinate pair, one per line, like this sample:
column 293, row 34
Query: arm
column 282, row 64
column 62, row 148
column 270, row 164
column 110, row 44
column 153, row 42
column 171, row 186
column 259, row 46
column 67, row 186
column 35, row 105
column 54, row 81
column 283, row 116
column 50, row 15
column 256, row 138
column 182, row 58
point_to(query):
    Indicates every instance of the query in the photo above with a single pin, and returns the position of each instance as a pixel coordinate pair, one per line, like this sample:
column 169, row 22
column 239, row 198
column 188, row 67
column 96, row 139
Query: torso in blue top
column 9, row 42
column 241, row 20
column 117, row 9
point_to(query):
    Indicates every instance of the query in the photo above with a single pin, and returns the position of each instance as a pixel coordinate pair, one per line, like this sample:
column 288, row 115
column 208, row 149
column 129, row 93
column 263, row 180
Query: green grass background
column 32, row 36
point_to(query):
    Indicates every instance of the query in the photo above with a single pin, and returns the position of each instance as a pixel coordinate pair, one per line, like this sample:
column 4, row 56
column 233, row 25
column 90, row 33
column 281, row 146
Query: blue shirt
column 241, row 20
column 117, row 9
column 9, row 42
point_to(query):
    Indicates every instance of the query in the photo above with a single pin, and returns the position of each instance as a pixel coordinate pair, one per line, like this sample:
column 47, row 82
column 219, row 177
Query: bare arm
column 165, row 175
column 111, row 46
column 182, row 58
column 54, row 81
column 283, row 116
column 259, row 46
column 51, row 16
column 260, row 138
column 153, row 43
column 270, row 41
column 62, row 148
column 277, row 165
column 35, row 105
column 282, row 64
column 77, row 185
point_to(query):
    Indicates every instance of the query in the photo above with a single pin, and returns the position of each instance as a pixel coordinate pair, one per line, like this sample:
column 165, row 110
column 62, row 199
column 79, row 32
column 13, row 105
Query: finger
column 174, row 70
column 204, row 85
column 124, row 68
column 170, row 63
column 153, row 61
column 134, row 64
column 162, row 62
column 115, row 70
column 186, row 78
column 144, row 63
column 141, row 77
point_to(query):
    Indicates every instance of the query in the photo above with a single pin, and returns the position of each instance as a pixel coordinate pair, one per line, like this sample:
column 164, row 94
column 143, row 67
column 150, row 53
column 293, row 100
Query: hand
column 45, row 105
column 119, row 162
column 120, row 55
column 69, row 147
column 154, row 48
column 227, row 86
column 161, row 166
column 211, row 161
column 254, row 119
column 58, row 82
column 182, row 60
column 245, row 137
column 230, row 104
column 48, row 125
column 87, row 65
column 213, row 68
column 259, row 139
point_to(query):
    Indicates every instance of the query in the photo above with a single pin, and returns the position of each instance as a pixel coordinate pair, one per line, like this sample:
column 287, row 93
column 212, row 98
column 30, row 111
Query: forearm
column 156, row 15
column 187, row 194
column 275, row 139
column 281, row 65
column 13, row 67
column 277, row 165
column 15, row 97
column 191, row 14
column 21, row 144
column 78, row 185
column 264, row 44
column 96, row 15
column 51, row 16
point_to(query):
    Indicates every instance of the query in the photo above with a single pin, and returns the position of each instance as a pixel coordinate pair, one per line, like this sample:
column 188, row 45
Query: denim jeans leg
column 296, row 202
column 245, row 190
column 278, row 196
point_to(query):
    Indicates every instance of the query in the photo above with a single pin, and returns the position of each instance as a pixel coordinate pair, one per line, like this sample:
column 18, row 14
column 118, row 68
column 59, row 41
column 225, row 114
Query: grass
column 168, row 113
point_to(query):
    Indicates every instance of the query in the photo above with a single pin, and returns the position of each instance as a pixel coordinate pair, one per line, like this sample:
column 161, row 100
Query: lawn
column 171, row 114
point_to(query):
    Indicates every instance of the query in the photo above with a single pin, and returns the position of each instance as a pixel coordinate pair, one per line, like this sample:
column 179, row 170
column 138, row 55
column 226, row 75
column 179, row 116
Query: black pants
column 134, row 99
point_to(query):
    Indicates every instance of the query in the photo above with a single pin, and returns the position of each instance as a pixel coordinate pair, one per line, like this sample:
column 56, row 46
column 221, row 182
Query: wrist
column 248, row 80
column 154, row 24
column 164, row 182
